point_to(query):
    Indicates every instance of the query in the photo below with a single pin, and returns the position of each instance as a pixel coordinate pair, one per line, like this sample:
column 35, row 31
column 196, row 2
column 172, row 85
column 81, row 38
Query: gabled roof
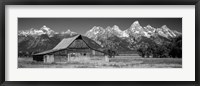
column 65, row 43
column 92, row 44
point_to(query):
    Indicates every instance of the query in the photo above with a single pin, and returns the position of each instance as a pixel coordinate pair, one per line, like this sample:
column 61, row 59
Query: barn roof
column 65, row 43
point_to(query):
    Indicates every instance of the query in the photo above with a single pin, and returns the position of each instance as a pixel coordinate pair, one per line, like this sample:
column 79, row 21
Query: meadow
column 117, row 62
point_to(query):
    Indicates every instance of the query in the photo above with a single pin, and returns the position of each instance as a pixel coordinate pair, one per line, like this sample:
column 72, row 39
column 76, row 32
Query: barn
column 71, row 49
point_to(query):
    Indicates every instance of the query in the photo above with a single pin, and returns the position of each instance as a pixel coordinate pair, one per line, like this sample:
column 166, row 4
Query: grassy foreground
column 117, row 62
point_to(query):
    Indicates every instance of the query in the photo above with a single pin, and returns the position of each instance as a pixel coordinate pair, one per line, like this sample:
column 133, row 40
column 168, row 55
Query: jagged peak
column 149, row 26
column 96, row 27
column 176, row 32
column 68, row 30
column 164, row 26
column 136, row 23
column 44, row 27
column 115, row 26
column 108, row 27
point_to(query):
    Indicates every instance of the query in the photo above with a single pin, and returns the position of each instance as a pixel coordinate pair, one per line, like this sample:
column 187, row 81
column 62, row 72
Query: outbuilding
column 77, row 48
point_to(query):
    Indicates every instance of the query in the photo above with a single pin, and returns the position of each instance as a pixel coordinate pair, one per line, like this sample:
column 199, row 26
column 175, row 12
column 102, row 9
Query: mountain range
column 37, row 40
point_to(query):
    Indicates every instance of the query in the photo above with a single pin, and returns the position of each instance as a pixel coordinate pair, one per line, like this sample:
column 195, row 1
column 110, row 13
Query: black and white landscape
column 100, row 46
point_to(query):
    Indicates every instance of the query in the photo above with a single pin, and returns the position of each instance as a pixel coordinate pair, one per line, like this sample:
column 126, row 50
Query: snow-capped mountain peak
column 164, row 27
column 149, row 26
column 119, row 32
column 69, row 32
column 47, row 30
column 114, row 30
column 96, row 30
column 136, row 26
column 115, row 27
column 149, row 29
column 43, row 30
column 33, row 32
column 165, row 32
column 136, row 23
column 177, row 33
column 137, row 30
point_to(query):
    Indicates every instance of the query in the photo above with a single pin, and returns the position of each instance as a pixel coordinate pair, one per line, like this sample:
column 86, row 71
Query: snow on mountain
column 149, row 29
column 165, row 32
column 69, row 32
column 108, row 31
column 43, row 30
column 33, row 40
column 136, row 30
column 136, row 25
column 35, row 32
column 133, row 34
column 117, row 31
column 47, row 30
column 94, row 32
column 177, row 33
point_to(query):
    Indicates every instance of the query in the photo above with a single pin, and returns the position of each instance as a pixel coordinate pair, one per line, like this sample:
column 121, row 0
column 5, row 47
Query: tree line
column 168, row 49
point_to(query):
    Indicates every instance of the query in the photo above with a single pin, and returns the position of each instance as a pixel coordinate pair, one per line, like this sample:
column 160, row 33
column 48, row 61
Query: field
column 117, row 62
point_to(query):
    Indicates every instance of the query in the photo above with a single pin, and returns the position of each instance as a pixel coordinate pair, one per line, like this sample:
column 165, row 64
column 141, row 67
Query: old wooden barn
column 71, row 49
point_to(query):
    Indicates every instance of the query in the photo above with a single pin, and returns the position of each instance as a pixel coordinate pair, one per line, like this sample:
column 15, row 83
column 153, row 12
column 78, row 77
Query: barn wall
column 58, row 58
column 79, row 59
column 48, row 58
column 70, row 55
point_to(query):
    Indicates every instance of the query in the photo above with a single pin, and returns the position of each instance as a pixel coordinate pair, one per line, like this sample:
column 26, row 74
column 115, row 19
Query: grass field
column 117, row 62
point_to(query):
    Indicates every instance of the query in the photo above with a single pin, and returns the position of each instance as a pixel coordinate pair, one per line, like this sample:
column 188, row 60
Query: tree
column 143, row 50
column 176, row 47
column 110, row 48
column 153, row 49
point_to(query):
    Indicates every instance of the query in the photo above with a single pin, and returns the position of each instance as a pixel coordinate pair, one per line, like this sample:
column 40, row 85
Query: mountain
column 165, row 32
column 115, row 30
column 134, row 35
column 36, row 32
column 44, row 30
column 135, row 30
column 37, row 40
column 69, row 32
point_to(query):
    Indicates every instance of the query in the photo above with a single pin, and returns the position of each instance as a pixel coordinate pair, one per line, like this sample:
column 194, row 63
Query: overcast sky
column 81, row 25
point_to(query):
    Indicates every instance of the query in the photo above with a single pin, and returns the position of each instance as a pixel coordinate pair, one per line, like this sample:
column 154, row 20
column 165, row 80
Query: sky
column 82, row 25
